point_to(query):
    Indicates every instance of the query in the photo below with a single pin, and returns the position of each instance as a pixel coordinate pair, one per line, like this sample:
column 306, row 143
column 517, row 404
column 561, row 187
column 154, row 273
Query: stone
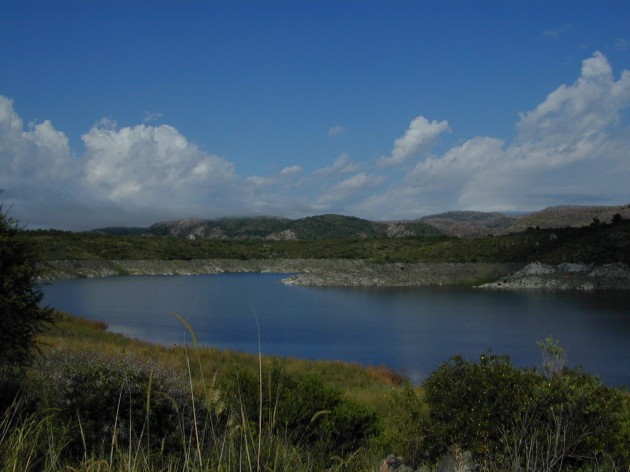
column 394, row 464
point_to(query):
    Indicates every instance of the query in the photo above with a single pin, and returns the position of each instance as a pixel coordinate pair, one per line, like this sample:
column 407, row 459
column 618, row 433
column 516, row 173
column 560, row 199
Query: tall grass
column 97, row 401
column 100, row 402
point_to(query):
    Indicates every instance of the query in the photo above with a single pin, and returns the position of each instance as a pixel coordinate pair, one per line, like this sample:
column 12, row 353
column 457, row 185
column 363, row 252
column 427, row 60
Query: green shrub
column 405, row 425
column 524, row 419
column 301, row 408
column 119, row 399
column 21, row 317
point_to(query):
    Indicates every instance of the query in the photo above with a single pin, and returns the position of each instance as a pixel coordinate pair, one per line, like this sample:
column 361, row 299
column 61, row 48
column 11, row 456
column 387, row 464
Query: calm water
column 411, row 330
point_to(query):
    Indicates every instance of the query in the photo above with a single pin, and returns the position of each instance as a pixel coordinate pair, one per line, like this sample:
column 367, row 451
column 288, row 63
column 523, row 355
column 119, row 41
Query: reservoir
column 411, row 330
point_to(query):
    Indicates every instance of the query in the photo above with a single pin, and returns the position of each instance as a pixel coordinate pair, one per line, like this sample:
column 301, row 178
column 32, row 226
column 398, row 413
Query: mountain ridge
column 463, row 224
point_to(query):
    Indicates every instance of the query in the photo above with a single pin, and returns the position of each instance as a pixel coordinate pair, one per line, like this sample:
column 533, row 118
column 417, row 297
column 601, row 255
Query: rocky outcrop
column 360, row 273
column 567, row 277
column 308, row 272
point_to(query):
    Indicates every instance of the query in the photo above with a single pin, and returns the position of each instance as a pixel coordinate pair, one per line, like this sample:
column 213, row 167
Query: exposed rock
column 358, row 273
column 394, row 464
column 567, row 277
column 456, row 461
column 308, row 272
column 286, row 235
column 470, row 224
column 398, row 230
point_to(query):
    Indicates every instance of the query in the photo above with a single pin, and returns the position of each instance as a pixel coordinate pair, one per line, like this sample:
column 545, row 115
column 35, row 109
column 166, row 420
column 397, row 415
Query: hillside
column 568, row 216
column 470, row 224
column 461, row 224
column 273, row 228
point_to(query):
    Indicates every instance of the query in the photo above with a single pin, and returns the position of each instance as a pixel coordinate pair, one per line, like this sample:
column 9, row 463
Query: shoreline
column 361, row 273
column 308, row 272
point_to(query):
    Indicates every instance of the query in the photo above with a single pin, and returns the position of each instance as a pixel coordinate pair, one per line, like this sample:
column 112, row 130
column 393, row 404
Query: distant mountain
column 463, row 224
column 470, row 224
column 274, row 228
column 309, row 228
column 568, row 216
column 474, row 224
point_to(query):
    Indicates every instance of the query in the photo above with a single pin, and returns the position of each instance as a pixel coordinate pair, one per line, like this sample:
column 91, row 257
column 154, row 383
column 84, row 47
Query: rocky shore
column 307, row 272
column 360, row 273
column 567, row 277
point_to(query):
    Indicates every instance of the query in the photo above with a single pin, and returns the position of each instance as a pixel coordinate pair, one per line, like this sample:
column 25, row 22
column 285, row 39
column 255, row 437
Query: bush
column 21, row 317
column 121, row 400
column 301, row 408
column 403, row 433
column 524, row 419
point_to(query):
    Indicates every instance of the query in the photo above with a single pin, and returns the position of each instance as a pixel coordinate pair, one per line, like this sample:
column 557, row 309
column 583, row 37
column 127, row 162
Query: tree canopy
column 21, row 317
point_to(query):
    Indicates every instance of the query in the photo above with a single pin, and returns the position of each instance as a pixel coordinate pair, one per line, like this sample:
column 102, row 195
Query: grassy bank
column 98, row 401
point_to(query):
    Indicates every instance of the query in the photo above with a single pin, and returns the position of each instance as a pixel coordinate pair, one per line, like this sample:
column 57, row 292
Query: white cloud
column 557, row 32
column 342, row 165
column 336, row 130
column 283, row 176
column 40, row 152
column 570, row 149
column 150, row 117
column 348, row 188
column 418, row 138
column 622, row 44
column 143, row 165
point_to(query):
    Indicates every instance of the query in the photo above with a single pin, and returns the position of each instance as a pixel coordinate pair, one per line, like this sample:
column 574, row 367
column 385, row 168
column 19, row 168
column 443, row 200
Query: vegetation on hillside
column 328, row 226
column 597, row 243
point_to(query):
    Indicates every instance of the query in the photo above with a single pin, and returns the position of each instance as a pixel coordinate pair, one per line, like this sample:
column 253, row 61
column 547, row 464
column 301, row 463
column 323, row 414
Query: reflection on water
column 408, row 329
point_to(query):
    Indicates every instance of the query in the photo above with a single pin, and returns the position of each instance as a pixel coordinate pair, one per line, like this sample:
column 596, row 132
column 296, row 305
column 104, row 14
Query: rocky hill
column 463, row 224
column 470, row 224
column 569, row 216
column 273, row 228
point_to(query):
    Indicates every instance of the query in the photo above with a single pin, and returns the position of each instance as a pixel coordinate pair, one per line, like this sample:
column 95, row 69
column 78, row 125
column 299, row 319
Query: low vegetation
column 597, row 243
column 94, row 400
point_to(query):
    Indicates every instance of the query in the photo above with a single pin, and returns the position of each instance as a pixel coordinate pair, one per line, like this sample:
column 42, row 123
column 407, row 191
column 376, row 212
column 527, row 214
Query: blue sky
column 127, row 113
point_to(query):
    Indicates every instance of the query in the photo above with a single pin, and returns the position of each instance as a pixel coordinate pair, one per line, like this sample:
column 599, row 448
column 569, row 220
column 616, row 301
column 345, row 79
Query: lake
column 411, row 330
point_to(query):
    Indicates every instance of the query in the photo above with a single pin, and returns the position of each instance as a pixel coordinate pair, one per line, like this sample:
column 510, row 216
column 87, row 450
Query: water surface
column 411, row 330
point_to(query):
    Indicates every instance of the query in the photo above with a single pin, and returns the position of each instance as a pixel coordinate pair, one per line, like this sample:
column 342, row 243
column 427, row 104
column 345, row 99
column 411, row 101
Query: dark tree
column 21, row 317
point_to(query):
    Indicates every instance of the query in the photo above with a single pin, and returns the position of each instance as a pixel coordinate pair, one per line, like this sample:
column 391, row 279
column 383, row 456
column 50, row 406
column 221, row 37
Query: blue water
column 411, row 330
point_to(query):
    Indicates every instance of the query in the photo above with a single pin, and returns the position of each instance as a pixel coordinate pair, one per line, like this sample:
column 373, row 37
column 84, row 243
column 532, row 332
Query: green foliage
column 469, row 401
column 556, row 420
column 602, row 244
column 21, row 317
column 300, row 407
column 404, row 428
column 121, row 399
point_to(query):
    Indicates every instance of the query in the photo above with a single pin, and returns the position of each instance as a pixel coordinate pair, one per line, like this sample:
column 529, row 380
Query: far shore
column 361, row 273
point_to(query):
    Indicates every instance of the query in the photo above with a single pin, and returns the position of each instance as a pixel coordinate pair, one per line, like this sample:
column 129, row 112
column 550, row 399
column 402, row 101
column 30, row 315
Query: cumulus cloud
column 40, row 152
column 418, row 138
column 147, row 164
column 135, row 172
column 570, row 149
